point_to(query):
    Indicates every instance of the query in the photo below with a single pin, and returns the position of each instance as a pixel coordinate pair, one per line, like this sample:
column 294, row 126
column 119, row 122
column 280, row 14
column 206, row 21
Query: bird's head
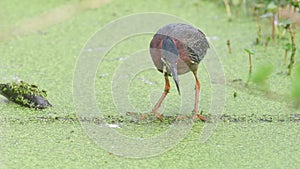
column 170, row 57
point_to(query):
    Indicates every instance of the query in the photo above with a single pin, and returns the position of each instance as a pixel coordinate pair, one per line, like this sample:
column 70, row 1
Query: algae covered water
column 41, row 44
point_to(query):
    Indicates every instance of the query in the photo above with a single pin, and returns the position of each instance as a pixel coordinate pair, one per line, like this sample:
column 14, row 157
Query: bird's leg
column 163, row 96
column 197, row 89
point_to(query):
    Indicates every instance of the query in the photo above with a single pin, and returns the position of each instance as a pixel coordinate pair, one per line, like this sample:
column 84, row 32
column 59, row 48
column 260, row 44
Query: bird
column 176, row 49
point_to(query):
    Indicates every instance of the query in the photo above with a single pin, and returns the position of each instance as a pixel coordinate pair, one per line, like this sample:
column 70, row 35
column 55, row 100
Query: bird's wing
column 197, row 46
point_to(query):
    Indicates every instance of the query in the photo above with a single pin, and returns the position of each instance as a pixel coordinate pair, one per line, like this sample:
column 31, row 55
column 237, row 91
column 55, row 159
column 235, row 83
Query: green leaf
column 249, row 51
column 272, row 7
column 287, row 46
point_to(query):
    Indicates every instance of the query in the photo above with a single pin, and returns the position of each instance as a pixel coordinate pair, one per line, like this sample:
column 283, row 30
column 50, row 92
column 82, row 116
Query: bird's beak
column 173, row 68
column 170, row 58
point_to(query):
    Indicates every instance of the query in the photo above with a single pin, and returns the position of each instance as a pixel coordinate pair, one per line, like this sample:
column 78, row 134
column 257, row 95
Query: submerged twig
column 228, row 46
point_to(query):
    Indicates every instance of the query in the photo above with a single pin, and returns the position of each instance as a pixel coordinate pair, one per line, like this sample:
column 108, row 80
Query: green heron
column 177, row 49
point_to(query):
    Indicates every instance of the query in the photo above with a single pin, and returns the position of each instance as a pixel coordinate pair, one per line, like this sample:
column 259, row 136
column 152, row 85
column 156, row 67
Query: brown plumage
column 177, row 49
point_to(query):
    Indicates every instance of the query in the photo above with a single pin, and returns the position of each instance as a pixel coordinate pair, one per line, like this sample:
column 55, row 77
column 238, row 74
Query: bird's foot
column 197, row 115
column 158, row 116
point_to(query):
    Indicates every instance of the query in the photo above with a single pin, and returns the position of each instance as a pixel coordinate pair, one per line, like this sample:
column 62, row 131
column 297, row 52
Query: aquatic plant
column 293, row 48
column 228, row 11
column 267, row 43
column 273, row 8
column 287, row 47
column 250, row 53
